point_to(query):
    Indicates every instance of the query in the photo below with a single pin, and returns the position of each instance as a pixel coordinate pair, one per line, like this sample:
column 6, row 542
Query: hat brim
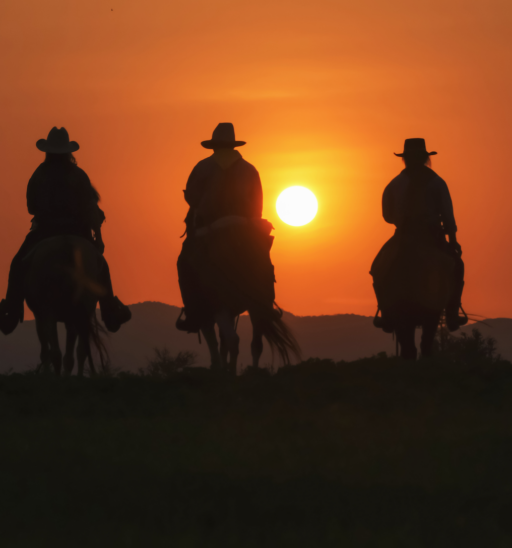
column 222, row 144
column 44, row 146
column 412, row 152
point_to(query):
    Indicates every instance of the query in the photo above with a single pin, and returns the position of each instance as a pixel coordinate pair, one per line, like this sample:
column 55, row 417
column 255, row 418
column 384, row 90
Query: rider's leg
column 11, row 308
column 113, row 312
column 193, row 299
column 428, row 334
column 405, row 335
column 453, row 320
column 208, row 331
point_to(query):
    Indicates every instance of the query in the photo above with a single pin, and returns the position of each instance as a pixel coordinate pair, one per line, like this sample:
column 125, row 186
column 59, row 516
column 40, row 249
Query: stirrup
column 188, row 325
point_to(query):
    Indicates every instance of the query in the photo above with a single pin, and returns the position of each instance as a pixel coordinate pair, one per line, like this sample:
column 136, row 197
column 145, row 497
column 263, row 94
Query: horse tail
column 89, row 326
column 279, row 336
column 91, row 333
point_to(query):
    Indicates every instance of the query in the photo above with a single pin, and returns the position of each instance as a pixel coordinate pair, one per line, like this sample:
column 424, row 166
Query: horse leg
column 45, row 355
column 257, row 339
column 48, row 330
column 405, row 335
column 223, row 349
column 210, row 337
column 83, row 353
column 428, row 334
column 69, row 357
column 226, row 323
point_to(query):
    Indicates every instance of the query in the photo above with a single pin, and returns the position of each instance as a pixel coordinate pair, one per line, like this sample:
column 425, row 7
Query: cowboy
column 62, row 200
column 418, row 203
column 221, row 189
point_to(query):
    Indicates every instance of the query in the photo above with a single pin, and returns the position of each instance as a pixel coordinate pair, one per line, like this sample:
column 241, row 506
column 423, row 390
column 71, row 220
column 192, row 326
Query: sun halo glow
column 297, row 206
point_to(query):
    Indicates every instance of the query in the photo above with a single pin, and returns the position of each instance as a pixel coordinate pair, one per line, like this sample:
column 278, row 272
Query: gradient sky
column 323, row 91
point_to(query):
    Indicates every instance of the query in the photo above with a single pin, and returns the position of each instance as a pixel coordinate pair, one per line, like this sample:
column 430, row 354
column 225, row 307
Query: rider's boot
column 383, row 322
column 453, row 319
column 11, row 314
column 189, row 324
column 114, row 313
column 12, row 308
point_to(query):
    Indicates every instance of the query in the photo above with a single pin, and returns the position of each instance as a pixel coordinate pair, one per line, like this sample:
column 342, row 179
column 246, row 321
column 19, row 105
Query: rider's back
column 60, row 191
column 214, row 192
column 418, row 198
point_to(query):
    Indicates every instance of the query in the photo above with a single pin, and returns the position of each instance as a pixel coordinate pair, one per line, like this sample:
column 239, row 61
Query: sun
column 297, row 206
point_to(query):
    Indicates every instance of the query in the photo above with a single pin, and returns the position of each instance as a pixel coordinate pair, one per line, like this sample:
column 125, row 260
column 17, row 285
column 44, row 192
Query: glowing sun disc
column 297, row 206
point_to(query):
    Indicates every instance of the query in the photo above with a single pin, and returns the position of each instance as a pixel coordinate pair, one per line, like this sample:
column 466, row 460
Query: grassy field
column 376, row 452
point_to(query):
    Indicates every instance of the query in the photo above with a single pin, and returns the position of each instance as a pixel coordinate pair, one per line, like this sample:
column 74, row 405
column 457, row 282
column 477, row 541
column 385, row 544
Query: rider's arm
column 97, row 218
column 194, row 189
column 32, row 193
column 387, row 206
column 92, row 215
column 255, row 198
column 445, row 207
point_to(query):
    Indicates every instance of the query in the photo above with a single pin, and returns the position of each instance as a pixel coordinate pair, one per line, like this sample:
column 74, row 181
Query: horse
column 61, row 286
column 413, row 282
column 238, row 276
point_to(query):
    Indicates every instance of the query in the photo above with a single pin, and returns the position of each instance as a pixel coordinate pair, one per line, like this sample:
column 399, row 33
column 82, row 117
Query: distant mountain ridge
column 339, row 337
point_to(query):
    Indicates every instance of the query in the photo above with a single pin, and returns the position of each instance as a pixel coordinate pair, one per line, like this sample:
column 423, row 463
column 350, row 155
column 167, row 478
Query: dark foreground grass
column 370, row 453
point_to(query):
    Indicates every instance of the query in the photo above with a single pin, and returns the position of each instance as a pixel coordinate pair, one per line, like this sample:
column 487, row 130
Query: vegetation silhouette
column 417, row 274
column 224, row 268
column 163, row 365
column 322, row 453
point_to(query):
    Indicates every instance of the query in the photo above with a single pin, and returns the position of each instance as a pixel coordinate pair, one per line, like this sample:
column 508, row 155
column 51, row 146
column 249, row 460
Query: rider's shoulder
column 435, row 179
column 203, row 167
column 247, row 166
column 400, row 179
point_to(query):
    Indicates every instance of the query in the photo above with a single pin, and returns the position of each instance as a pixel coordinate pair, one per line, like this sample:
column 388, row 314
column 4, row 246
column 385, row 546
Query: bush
column 163, row 365
column 466, row 348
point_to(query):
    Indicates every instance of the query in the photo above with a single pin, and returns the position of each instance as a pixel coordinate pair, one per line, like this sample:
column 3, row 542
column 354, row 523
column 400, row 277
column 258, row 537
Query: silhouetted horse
column 238, row 277
column 61, row 286
column 412, row 281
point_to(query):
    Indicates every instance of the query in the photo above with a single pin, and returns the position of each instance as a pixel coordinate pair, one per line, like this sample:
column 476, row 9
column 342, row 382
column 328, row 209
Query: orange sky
column 323, row 92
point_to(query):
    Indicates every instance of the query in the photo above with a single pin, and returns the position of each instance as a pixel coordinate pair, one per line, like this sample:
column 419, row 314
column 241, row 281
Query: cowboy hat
column 223, row 137
column 57, row 142
column 414, row 146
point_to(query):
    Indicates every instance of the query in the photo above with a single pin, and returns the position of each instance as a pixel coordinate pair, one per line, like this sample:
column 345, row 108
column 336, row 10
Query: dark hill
column 340, row 337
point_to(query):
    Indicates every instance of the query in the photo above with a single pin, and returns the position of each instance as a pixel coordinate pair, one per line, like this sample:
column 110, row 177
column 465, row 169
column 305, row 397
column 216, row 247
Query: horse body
column 61, row 286
column 412, row 281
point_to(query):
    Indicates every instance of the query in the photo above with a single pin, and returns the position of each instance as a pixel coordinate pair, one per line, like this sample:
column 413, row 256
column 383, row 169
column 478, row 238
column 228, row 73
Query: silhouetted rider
column 418, row 203
column 62, row 200
column 220, row 187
